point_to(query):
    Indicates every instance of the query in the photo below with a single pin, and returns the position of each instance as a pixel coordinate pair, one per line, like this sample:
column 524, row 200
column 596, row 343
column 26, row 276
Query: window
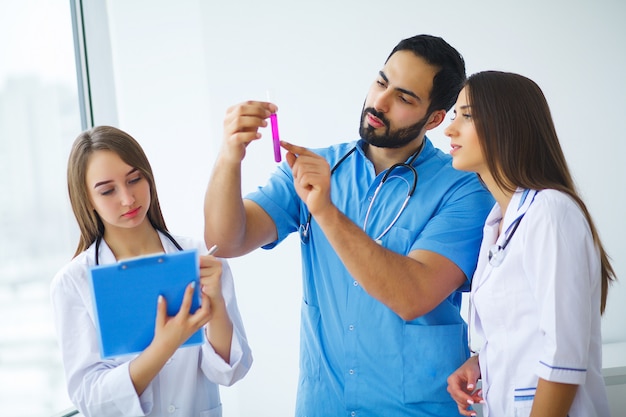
column 39, row 118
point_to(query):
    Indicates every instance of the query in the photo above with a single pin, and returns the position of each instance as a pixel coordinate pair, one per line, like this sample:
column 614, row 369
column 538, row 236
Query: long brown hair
column 521, row 147
column 128, row 149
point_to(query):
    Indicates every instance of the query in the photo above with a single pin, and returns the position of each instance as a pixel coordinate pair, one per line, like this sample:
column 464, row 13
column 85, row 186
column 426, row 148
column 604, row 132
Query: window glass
column 39, row 118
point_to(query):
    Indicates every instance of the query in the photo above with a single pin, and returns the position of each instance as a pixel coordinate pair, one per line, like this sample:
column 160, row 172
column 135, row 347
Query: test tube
column 275, row 135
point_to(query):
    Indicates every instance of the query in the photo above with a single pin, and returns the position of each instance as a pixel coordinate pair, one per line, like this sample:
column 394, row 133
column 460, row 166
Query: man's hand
column 241, row 126
column 311, row 177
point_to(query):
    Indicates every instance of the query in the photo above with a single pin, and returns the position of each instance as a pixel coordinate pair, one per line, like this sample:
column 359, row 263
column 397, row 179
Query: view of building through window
column 39, row 118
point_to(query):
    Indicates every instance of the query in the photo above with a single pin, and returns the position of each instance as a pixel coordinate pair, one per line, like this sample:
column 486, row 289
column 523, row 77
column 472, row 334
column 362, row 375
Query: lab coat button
column 351, row 371
column 351, row 327
column 353, row 413
column 171, row 409
column 355, row 283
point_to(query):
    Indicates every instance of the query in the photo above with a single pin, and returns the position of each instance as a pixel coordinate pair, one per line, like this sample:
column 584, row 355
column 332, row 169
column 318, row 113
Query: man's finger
column 295, row 149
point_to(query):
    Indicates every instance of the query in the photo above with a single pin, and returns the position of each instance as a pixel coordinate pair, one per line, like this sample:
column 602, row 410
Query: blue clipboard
column 125, row 298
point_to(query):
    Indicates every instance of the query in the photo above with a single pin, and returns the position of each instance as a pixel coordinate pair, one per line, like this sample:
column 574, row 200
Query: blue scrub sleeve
column 455, row 231
column 284, row 205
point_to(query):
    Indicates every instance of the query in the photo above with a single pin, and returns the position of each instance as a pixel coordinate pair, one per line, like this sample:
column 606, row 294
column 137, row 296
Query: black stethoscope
column 304, row 228
column 496, row 252
column 99, row 240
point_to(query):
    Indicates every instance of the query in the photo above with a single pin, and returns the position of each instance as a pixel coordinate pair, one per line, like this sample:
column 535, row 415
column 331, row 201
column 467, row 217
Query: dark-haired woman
column 542, row 276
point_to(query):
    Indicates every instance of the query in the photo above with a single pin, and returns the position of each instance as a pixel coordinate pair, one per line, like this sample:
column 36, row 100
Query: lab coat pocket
column 430, row 355
column 214, row 412
column 523, row 401
column 309, row 342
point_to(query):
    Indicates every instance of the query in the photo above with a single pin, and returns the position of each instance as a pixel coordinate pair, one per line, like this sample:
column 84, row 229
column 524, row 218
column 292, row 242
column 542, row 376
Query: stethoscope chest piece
column 496, row 255
column 303, row 231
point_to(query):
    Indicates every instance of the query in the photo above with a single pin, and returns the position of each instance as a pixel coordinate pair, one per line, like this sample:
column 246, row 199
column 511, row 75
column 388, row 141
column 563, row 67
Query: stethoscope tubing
column 495, row 259
column 404, row 203
column 304, row 229
column 496, row 252
column 99, row 240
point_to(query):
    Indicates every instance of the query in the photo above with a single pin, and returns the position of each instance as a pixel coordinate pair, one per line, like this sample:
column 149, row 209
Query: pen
column 212, row 250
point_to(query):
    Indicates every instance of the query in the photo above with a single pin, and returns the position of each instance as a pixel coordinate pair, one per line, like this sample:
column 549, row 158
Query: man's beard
column 390, row 139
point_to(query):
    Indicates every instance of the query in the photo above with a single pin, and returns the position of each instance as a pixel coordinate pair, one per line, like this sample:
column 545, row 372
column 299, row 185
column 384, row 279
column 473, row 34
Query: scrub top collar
column 424, row 152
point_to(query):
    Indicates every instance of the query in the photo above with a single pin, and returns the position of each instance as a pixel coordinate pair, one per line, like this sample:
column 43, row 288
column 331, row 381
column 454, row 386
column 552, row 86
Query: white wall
column 177, row 66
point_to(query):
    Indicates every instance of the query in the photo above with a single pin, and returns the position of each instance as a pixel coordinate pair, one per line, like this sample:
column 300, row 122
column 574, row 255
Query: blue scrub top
column 357, row 357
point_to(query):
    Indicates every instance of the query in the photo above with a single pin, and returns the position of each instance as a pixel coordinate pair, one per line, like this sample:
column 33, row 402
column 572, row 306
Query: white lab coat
column 187, row 384
column 538, row 312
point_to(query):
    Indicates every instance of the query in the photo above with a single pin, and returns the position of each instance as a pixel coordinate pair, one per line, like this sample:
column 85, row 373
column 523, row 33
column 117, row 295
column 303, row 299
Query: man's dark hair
column 451, row 75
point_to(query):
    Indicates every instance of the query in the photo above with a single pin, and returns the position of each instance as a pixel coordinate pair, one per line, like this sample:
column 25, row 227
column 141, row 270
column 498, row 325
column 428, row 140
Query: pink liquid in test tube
column 275, row 137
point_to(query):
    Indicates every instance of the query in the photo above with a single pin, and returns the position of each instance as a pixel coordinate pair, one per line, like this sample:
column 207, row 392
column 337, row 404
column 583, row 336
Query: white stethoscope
column 304, row 228
column 496, row 256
